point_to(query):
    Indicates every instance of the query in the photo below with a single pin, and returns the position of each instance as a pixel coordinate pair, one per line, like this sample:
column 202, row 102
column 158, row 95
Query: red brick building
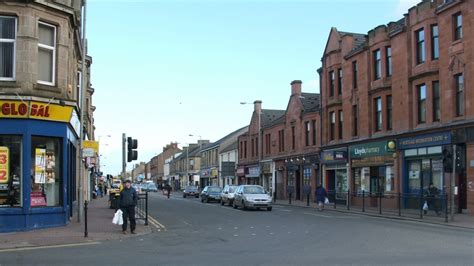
column 286, row 161
column 405, row 82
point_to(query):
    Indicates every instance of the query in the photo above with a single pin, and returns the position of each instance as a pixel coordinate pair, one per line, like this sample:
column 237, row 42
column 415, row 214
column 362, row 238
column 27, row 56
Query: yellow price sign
column 4, row 165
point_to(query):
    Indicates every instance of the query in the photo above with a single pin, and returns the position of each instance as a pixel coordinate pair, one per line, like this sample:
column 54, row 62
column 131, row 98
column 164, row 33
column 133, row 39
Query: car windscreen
column 151, row 185
column 214, row 189
column 191, row 188
column 254, row 190
column 232, row 189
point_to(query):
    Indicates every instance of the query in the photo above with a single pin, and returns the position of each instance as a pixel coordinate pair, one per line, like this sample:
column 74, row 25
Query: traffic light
column 132, row 153
column 459, row 160
column 447, row 159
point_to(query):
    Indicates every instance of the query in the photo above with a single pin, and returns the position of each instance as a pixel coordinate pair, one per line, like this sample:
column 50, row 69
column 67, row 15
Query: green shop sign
column 370, row 149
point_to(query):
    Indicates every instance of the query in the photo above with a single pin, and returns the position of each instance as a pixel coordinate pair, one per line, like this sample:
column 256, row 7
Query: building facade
column 41, row 54
column 396, row 103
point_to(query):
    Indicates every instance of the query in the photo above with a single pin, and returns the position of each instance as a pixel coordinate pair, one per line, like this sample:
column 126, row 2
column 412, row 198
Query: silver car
column 227, row 195
column 252, row 196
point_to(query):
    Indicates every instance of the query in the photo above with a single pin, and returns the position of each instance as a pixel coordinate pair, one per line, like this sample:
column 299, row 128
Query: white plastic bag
column 118, row 219
column 425, row 206
column 326, row 201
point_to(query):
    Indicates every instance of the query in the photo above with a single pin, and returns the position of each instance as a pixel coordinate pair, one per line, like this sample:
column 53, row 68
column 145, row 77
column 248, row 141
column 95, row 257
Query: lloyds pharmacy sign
column 369, row 150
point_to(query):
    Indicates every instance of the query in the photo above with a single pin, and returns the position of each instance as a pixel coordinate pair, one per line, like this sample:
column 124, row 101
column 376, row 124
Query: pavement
column 210, row 234
column 100, row 228
column 460, row 220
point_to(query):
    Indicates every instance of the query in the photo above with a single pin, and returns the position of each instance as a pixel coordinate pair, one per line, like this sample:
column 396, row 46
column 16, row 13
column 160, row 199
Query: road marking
column 317, row 215
column 187, row 223
column 285, row 210
column 153, row 221
column 46, row 247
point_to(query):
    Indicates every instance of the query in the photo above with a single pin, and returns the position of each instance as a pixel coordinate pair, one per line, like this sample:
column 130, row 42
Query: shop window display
column 45, row 172
column 10, row 171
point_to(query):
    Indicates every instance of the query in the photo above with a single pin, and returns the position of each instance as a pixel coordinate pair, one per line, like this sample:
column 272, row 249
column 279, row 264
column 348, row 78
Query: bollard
column 446, row 207
column 348, row 202
column 380, row 202
column 421, row 207
column 335, row 197
column 289, row 199
column 399, row 204
column 146, row 208
column 86, row 234
column 307, row 199
column 363, row 201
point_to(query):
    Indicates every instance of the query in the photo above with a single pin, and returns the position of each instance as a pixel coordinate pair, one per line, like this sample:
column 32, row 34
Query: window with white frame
column 46, row 53
column 7, row 47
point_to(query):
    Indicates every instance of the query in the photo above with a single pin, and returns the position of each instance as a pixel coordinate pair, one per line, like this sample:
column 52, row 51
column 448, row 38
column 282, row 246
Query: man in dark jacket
column 431, row 195
column 128, row 201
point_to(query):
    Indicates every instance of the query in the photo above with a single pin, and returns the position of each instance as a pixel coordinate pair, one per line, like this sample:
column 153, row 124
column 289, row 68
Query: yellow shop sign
column 35, row 110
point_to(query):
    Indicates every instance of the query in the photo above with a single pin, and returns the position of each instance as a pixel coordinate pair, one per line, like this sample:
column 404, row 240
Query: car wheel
column 184, row 195
column 269, row 209
column 207, row 200
column 234, row 205
column 197, row 197
column 243, row 205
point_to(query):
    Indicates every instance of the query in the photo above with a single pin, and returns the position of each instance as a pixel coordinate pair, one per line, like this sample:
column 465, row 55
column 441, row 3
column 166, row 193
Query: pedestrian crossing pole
column 124, row 159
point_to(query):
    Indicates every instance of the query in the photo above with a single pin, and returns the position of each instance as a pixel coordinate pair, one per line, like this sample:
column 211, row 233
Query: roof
column 217, row 143
column 310, row 101
column 233, row 146
column 360, row 42
column 269, row 117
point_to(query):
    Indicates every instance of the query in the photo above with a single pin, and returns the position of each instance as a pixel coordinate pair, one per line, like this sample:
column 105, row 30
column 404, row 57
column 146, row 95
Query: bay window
column 46, row 54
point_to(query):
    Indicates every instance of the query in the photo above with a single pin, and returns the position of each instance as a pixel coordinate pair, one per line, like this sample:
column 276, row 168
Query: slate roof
column 311, row 102
column 269, row 117
column 231, row 147
column 218, row 142
column 360, row 42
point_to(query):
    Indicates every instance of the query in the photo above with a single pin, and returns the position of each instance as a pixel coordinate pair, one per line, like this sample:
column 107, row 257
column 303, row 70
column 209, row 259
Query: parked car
column 151, row 187
column 137, row 188
column 211, row 193
column 227, row 195
column 190, row 191
column 252, row 196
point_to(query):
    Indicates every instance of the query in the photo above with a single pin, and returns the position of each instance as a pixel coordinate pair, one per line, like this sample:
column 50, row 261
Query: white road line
column 52, row 246
column 317, row 215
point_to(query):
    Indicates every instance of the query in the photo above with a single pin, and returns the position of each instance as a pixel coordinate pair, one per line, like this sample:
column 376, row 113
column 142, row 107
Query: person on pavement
column 321, row 195
column 168, row 190
column 128, row 201
column 431, row 194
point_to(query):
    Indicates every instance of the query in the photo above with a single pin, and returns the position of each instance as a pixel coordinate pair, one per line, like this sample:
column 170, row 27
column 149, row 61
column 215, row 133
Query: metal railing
column 141, row 210
column 413, row 205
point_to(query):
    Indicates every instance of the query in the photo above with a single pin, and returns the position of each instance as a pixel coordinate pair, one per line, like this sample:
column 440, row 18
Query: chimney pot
column 257, row 106
column 296, row 87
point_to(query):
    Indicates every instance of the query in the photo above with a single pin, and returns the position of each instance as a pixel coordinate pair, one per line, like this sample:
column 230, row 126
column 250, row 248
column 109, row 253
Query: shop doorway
column 337, row 185
column 298, row 185
column 422, row 172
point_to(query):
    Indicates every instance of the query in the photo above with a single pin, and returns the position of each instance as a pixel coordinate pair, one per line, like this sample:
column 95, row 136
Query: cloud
column 403, row 6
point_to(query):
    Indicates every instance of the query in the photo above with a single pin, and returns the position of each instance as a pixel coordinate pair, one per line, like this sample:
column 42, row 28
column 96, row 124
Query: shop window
column 7, row 47
column 46, row 175
column 361, row 179
column 10, row 171
column 389, row 179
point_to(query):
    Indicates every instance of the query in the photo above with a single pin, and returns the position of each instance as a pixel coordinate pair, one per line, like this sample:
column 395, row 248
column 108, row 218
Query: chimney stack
column 296, row 87
column 257, row 106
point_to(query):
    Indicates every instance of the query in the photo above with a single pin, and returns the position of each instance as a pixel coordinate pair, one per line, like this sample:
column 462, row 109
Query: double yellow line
column 153, row 221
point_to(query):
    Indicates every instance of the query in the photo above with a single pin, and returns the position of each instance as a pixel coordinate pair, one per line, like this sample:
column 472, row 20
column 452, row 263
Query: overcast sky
column 164, row 69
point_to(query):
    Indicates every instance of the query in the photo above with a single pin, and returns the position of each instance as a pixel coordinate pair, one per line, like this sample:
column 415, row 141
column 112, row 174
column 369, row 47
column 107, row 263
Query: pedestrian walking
column 128, row 201
column 431, row 195
column 168, row 190
column 321, row 196
column 101, row 190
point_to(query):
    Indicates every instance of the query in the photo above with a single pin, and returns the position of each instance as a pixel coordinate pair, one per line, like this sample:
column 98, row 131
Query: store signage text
column 35, row 110
column 369, row 150
column 334, row 156
column 436, row 139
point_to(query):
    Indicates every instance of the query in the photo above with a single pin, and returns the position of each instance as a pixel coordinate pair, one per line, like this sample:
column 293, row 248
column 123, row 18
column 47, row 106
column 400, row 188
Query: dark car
column 190, row 191
column 151, row 187
column 211, row 193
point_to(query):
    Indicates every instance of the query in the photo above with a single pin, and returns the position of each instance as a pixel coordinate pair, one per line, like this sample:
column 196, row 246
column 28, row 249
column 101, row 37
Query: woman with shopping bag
column 321, row 197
